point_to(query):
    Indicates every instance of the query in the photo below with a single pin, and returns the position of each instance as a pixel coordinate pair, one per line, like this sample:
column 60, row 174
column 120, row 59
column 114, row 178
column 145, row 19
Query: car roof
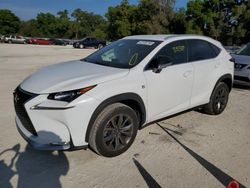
column 165, row 37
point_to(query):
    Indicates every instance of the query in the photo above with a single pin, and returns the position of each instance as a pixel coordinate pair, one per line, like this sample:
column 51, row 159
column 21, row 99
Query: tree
column 30, row 28
column 119, row 20
column 85, row 23
column 223, row 20
column 148, row 17
column 9, row 22
column 178, row 22
column 63, row 24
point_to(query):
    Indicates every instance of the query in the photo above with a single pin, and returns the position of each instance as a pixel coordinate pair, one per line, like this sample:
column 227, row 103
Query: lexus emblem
column 16, row 98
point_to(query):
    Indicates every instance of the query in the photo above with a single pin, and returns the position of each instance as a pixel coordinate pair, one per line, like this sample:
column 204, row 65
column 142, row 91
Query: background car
column 89, row 42
column 1, row 38
column 242, row 65
column 59, row 42
column 69, row 41
column 42, row 42
column 31, row 41
column 14, row 39
column 232, row 49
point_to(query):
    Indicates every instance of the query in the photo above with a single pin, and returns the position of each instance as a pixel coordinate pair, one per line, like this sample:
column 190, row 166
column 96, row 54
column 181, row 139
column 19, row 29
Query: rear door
column 202, row 54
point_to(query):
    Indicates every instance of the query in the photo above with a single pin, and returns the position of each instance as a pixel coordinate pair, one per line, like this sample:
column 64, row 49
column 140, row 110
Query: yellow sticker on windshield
column 178, row 49
column 133, row 59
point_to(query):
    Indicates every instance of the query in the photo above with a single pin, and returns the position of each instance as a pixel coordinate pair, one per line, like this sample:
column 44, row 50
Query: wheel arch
column 132, row 100
column 227, row 79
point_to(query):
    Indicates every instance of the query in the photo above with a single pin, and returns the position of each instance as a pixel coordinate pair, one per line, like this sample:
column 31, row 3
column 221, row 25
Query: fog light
column 59, row 143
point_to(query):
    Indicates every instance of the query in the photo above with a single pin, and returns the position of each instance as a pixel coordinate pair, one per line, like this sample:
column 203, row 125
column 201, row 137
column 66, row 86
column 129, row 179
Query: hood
column 242, row 59
column 69, row 76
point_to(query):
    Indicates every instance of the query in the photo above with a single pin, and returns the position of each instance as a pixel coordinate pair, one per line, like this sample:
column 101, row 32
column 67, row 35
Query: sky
column 27, row 9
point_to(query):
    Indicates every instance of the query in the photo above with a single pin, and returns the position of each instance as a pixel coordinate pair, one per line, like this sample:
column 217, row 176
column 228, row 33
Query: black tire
column 218, row 100
column 114, row 130
column 9, row 41
column 81, row 46
column 100, row 46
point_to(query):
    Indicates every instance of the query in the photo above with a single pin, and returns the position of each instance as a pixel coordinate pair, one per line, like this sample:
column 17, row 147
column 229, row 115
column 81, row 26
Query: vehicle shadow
column 33, row 168
column 241, row 87
column 221, row 176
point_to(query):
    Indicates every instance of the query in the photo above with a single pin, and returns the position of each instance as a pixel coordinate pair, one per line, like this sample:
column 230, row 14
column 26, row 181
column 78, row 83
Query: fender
column 226, row 77
column 118, row 98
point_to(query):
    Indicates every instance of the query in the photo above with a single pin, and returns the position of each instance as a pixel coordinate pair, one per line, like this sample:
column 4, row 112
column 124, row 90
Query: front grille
column 241, row 78
column 20, row 98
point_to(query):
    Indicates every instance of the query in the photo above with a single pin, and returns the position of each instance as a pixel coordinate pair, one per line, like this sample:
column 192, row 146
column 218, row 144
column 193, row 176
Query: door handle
column 187, row 73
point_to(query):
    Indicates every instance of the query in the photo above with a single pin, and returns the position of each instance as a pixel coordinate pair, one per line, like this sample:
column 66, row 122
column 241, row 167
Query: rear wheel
column 100, row 46
column 218, row 100
column 114, row 130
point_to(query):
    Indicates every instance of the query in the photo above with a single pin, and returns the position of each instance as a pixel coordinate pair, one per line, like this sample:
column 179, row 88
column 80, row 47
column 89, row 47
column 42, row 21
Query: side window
column 216, row 49
column 176, row 51
column 201, row 50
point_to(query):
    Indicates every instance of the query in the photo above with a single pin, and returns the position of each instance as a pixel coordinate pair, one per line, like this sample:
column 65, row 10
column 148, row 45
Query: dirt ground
column 189, row 150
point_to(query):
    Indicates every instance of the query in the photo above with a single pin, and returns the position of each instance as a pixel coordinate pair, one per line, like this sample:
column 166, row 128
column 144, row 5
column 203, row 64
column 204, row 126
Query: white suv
column 15, row 39
column 103, row 99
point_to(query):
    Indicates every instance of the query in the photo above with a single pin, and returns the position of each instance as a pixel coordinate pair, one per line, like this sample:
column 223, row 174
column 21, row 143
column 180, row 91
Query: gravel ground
column 189, row 150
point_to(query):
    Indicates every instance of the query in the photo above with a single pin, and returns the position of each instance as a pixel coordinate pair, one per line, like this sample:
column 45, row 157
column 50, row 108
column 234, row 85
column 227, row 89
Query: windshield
column 245, row 50
column 123, row 53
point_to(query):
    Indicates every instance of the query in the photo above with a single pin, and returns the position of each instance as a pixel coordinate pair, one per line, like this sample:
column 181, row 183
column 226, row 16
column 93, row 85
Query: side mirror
column 162, row 62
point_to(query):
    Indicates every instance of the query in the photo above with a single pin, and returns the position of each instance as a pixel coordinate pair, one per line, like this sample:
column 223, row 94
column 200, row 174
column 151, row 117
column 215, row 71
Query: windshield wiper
column 90, row 61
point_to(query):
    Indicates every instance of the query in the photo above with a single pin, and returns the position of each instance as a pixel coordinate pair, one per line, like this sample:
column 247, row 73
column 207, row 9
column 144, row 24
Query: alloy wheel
column 118, row 132
column 220, row 100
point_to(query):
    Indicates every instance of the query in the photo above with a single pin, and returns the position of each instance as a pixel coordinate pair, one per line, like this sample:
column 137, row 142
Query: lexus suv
column 102, row 100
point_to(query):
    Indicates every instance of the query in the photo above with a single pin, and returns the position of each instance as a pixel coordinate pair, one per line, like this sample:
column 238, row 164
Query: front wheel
column 100, row 46
column 81, row 46
column 218, row 100
column 114, row 130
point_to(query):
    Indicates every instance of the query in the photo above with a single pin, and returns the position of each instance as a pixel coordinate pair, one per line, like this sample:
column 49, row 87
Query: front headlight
column 69, row 96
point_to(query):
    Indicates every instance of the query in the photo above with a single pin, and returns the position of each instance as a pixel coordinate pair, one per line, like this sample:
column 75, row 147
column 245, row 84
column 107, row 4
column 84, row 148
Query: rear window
column 201, row 50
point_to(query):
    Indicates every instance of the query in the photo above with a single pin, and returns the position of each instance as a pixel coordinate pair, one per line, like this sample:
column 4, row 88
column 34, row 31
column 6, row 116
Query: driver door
column 169, row 91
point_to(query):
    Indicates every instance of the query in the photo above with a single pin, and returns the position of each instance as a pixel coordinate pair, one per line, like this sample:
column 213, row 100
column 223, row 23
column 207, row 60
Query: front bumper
column 242, row 75
column 56, row 125
column 34, row 141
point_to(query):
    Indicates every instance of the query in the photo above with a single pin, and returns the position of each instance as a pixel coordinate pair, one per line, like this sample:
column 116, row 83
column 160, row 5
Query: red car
column 39, row 41
column 31, row 41
column 43, row 42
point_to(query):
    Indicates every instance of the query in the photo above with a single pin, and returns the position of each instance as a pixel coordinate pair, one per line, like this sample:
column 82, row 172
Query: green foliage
column 222, row 20
column 9, row 22
column 227, row 21
column 86, row 23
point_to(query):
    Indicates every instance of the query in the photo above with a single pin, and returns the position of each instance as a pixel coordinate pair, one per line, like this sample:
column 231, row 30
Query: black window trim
column 210, row 44
column 146, row 67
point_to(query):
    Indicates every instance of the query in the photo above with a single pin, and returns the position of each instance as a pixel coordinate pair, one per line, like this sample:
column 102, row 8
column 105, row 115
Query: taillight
column 232, row 60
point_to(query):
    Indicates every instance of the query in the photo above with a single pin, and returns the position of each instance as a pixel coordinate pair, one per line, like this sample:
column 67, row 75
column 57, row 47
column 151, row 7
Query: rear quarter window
column 201, row 50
